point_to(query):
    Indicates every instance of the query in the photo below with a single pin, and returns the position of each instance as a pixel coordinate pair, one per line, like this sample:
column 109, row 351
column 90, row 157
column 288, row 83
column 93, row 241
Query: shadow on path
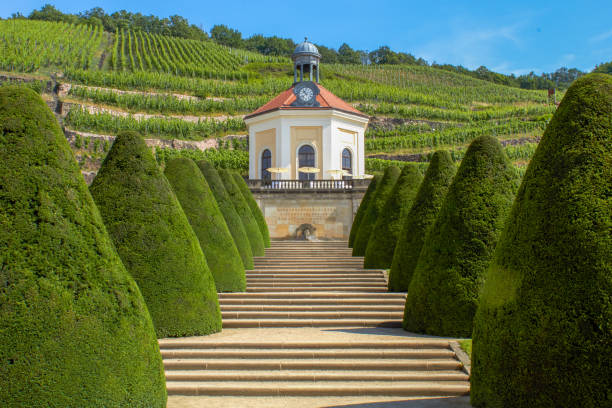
column 382, row 331
column 450, row 402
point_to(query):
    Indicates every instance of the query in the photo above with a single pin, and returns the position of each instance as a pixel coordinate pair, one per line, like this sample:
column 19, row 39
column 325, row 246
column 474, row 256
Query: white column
column 328, row 149
column 252, row 155
column 361, row 154
column 284, row 148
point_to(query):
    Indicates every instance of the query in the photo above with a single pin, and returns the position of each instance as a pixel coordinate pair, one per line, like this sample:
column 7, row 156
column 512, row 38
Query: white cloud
column 470, row 47
column 566, row 59
column 601, row 36
column 525, row 71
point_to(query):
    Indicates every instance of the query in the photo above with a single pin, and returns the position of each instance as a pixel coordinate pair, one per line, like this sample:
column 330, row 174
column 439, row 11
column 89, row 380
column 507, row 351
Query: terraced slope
column 176, row 91
column 313, row 322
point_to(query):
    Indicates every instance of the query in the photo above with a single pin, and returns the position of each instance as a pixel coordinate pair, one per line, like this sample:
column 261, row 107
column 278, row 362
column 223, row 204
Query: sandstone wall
column 331, row 212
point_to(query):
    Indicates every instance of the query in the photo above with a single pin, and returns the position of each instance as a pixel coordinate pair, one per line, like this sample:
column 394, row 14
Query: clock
column 306, row 94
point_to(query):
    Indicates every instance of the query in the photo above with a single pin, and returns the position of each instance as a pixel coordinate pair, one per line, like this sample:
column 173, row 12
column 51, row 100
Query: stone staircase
column 313, row 322
column 315, row 285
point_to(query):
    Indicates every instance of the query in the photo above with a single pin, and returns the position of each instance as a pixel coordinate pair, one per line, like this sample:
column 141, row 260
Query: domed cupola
column 306, row 59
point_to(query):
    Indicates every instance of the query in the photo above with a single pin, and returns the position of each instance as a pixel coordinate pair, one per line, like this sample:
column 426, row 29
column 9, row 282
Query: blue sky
column 510, row 37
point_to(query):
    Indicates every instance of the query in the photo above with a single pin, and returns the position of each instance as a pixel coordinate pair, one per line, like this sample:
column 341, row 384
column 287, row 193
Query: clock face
column 306, row 94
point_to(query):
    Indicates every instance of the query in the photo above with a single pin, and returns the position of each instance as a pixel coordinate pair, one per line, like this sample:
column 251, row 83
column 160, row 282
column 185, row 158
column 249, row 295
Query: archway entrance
column 266, row 163
column 306, row 158
column 347, row 164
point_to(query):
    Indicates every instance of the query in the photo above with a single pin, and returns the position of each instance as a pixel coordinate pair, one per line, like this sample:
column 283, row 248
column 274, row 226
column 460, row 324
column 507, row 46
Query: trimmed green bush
column 255, row 210
column 74, row 328
column 155, row 241
column 443, row 293
column 379, row 252
column 418, row 220
column 363, row 207
column 232, row 219
column 204, row 215
column 543, row 329
column 243, row 210
column 366, row 226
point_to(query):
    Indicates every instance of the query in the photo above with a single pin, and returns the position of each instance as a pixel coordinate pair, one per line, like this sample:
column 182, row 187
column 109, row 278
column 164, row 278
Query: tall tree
column 226, row 36
column 543, row 330
column 443, row 293
column 74, row 328
column 417, row 222
column 155, row 241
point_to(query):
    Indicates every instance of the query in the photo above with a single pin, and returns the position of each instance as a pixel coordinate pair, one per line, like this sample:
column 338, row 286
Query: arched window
column 306, row 158
column 347, row 163
column 266, row 163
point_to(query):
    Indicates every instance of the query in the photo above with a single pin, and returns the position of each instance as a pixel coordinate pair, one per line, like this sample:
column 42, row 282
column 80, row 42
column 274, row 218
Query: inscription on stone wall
column 331, row 215
column 316, row 215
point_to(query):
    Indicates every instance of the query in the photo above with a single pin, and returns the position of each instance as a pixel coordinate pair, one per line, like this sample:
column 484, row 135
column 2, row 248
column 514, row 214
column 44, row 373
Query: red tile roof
column 326, row 99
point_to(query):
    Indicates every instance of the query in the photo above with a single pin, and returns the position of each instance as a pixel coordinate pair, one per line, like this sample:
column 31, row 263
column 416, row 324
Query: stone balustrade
column 320, row 185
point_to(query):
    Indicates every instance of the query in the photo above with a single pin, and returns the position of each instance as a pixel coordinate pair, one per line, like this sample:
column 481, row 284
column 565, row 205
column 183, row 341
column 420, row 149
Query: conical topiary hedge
column 202, row 211
column 419, row 219
column 363, row 207
column 543, row 329
column 243, row 210
column 74, row 328
column 443, row 293
column 255, row 210
column 379, row 252
column 374, row 208
column 232, row 219
column 155, row 241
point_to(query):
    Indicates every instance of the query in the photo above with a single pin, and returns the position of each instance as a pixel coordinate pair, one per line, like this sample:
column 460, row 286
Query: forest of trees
column 175, row 26
column 178, row 26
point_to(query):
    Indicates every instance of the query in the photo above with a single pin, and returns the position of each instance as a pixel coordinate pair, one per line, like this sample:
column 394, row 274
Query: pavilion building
column 306, row 127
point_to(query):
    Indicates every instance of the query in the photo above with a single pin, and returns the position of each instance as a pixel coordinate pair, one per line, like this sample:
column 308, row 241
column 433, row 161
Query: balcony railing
column 308, row 184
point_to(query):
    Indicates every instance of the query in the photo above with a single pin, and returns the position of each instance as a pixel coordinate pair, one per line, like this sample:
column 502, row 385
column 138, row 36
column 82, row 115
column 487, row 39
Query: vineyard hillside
column 189, row 97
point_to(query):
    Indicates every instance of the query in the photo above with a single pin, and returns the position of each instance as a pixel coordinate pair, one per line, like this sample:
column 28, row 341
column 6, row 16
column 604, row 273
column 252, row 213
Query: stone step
column 312, row 364
column 338, row 276
column 292, row 295
column 299, row 284
column 282, row 254
column 329, row 251
column 366, row 303
column 311, row 271
column 307, row 260
column 307, row 265
column 237, row 323
column 306, row 308
column 304, row 243
column 314, row 277
column 381, row 315
column 314, row 268
column 321, row 260
column 312, row 248
column 413, row 343
column 404, row 388
column 311, row 376
column 308, row 354
column 299, row 281
column 381, row 289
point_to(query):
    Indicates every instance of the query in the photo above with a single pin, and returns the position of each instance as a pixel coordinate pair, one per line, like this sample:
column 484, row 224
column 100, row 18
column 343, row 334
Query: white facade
column 328, row 131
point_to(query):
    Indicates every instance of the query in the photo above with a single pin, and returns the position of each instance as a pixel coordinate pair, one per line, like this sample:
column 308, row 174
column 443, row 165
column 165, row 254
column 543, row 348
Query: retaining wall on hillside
column 330, row 212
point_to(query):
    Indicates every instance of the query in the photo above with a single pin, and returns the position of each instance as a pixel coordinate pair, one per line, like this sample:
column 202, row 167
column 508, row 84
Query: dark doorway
column 266, row 163
column 306, row 158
